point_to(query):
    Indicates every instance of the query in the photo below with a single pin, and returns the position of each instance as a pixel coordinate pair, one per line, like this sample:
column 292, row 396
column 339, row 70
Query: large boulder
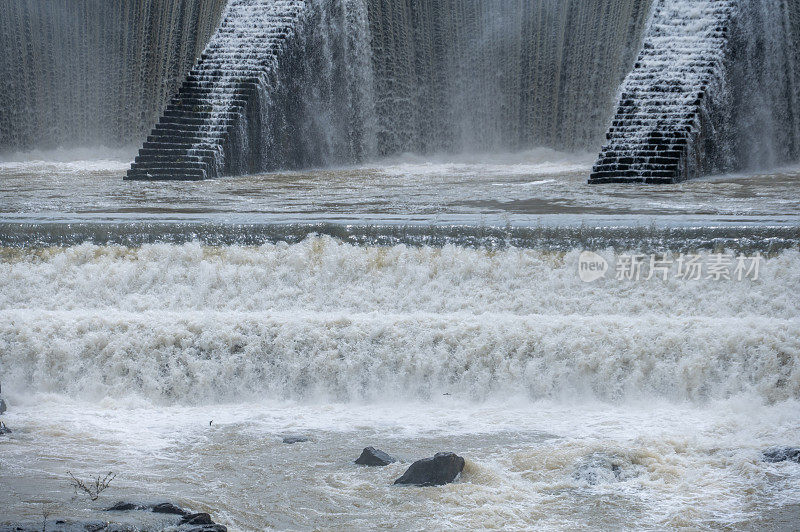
column 442, row 469
column 782, row 454
column 371, row 456
column 201, row 518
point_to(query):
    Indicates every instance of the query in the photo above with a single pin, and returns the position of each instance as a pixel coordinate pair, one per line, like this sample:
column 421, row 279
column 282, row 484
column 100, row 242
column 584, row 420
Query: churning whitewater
column 186, row 364
column 420, row 251
column 324, row 319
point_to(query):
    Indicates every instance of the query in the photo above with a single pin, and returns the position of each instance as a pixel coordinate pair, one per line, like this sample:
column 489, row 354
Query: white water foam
column 538, row 161
column 70, row 155
column 324, row 319
column 615, row 404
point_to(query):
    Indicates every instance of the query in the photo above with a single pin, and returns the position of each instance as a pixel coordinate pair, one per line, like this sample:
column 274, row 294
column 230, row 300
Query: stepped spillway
column 715, row 88
column 203, row 131
column 667, row 111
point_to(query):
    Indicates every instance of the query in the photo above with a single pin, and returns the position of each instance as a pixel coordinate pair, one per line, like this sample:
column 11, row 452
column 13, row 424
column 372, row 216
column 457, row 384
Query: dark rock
column 4, row 429
column 599, row 469
column 782, row 454
column 443, row 468
column 3, row 406
column 294, row 439
column 66, row 525
column 197, row 519
column 168, row 508
column 124, row 507
column 206, row 528
column 374, row 457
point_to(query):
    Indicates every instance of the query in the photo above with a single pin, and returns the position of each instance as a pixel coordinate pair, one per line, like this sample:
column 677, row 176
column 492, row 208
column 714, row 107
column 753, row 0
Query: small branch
column 94, row 489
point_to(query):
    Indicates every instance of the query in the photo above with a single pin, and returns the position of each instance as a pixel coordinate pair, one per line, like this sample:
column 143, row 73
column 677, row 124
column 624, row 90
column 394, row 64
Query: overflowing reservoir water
column 174, row 333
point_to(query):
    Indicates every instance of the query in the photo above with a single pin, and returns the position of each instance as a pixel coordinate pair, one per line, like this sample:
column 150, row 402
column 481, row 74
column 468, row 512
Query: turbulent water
column 376, row 305
column 173, row 333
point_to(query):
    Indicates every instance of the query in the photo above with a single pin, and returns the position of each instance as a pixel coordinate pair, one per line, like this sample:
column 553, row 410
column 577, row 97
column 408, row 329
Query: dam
column 242, row 242
column 662, row 90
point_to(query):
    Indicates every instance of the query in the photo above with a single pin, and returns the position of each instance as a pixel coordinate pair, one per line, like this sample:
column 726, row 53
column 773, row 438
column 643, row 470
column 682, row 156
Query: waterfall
column 360, row 79
column 91, row 72
column 765, row 72
column 283, row 83
column 500, row 74
column 327, row 89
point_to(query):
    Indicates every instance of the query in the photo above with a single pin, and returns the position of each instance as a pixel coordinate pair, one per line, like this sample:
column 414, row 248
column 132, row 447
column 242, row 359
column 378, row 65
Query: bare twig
column 45, row 515
column 94, row 488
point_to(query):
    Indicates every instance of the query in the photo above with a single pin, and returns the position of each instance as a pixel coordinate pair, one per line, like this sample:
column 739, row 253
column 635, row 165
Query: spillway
column 667, row 108
column 77, row 73
column 665, row 89
column 410, row 77
column 202, row 126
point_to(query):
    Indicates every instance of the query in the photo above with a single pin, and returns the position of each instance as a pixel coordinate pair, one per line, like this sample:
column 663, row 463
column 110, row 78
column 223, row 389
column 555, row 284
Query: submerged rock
column 189, row 522
column 371, row 456
column 200, row 522
column 168, row 508
column 599, row 469
column 65, row 525
column 782, row 454
column 442, row 469
column 160, row 508
column 124, row 507
column 294, row 439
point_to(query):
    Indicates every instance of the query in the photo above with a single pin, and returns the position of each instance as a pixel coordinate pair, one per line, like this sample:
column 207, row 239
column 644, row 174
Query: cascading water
column 671, row 102
column 281, row 84
column 764, row 72
column 364, row 78
column 90, row 72
column 715, row 88
column 479, row 75
column 326, row 92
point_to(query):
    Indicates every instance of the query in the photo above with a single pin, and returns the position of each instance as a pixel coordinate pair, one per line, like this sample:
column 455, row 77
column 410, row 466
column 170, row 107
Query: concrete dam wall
column 670, row 89
column 319, row 82
column 94, row 72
